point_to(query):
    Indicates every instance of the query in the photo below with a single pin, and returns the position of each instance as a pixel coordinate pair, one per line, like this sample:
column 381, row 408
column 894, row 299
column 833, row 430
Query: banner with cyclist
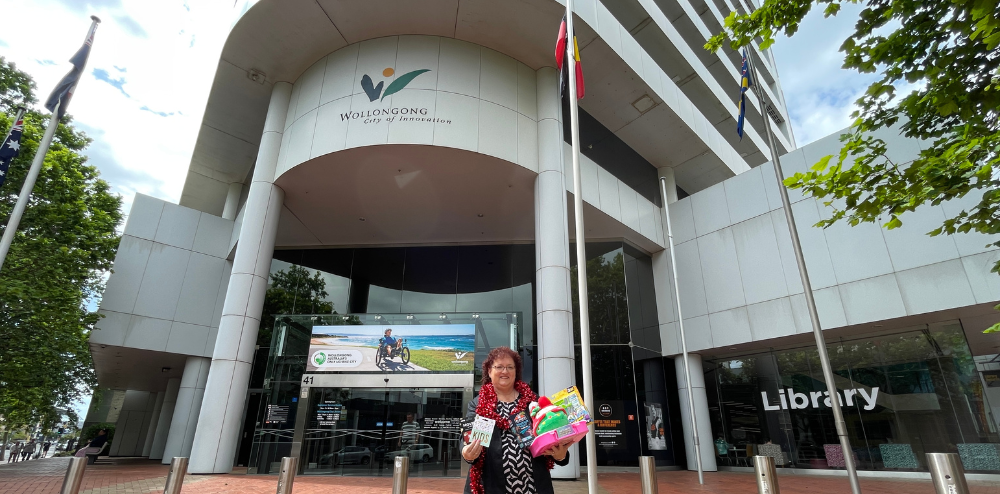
column 378, row 348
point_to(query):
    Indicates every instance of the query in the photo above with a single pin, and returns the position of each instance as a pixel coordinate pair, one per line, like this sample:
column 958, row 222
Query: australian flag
column 64, row 91
column 11, row 146
column 745, row 83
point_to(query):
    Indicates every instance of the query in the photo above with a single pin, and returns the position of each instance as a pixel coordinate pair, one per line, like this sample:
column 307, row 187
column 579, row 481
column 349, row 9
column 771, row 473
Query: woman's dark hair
column 497, row 353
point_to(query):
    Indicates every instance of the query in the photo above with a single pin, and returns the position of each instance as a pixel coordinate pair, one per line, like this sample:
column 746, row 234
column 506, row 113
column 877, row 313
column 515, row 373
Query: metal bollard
column 74, row 475
column 175, row 477
column 400, row 473
column 767, row 475
column 286, row 476
column 647, row 473
column 947, row 473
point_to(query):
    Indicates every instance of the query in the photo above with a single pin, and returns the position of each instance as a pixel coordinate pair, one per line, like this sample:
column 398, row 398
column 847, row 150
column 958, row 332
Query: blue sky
column 145, row 87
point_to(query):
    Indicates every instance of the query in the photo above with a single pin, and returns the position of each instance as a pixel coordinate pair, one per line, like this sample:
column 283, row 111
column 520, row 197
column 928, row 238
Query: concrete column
column 132, row 423
column 187, row 408
column 216, row 439
column 553, row 307
column 232, row 201
column 164, row 420
column 668, row 173
column 153, row 422
column 700, row 410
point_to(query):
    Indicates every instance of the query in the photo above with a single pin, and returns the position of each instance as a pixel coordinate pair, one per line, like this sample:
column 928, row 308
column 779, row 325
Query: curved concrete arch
column 415, row 89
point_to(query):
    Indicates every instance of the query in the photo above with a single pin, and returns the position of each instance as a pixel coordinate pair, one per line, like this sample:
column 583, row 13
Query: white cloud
column 144, row 116
column 819, row 93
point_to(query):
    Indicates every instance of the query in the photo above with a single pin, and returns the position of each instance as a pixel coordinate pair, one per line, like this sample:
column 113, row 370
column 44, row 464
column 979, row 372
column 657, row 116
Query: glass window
column 903, row 395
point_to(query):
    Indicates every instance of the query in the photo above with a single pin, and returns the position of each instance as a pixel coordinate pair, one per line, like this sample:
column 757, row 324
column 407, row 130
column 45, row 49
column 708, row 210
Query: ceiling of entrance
column 406, row 194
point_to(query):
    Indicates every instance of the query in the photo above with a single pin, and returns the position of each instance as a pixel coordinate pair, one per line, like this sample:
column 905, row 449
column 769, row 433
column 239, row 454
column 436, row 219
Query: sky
column 144, row 91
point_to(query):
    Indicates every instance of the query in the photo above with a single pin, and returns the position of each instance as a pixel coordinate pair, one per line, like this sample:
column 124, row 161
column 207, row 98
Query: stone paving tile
column 141, row 476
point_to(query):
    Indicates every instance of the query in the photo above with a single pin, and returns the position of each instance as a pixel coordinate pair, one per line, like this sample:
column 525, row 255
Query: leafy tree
column 948, row 51
column 292, row 291
column 66, row 242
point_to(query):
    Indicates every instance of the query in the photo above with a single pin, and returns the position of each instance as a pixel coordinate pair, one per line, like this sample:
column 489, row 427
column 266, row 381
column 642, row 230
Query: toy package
column 520, row 425
column 561, row 420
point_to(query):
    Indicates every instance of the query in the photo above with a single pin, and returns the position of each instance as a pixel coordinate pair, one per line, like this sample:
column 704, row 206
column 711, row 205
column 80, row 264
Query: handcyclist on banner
column 389, row 342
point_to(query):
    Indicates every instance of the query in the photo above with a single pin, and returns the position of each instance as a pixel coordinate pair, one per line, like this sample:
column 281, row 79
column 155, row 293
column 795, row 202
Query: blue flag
column 64, row 90
column 745, row 83
column 11, row 146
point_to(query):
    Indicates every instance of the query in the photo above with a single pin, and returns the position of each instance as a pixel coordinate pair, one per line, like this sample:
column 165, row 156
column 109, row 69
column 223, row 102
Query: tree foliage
column 292, row 291
column 947, row 51
column 64, row 245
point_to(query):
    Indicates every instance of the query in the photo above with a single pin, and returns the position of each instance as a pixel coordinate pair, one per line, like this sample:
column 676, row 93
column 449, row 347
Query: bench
column 92, row 457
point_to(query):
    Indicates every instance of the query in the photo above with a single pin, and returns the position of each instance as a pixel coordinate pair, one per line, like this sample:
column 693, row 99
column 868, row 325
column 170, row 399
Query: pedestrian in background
column 15, row 451
column 45, row 448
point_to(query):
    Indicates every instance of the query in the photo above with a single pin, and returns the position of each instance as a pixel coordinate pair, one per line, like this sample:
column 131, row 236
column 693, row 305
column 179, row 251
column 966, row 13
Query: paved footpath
column 133, row 476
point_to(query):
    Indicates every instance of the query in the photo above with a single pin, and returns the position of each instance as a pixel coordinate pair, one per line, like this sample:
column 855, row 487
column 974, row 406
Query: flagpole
column 680, row 325
column 29, row 183
column 581, row 249
column 824, row 357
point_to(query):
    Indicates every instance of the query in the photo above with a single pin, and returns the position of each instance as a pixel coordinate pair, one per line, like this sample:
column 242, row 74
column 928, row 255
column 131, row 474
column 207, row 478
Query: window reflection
column 903, row 395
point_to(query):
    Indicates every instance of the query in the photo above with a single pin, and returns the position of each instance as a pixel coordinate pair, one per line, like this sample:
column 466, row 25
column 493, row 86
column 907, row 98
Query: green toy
column 546, row 417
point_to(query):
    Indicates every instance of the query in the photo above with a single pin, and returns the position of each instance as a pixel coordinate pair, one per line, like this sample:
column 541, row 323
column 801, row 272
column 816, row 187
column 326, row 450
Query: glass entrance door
column 358, row 431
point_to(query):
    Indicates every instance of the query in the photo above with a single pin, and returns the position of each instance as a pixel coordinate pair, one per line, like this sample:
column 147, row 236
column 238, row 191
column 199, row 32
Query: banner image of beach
column 436, row 348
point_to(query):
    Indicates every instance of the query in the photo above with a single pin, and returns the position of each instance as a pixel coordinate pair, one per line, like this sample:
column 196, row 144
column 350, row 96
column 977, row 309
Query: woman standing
column 504, row 467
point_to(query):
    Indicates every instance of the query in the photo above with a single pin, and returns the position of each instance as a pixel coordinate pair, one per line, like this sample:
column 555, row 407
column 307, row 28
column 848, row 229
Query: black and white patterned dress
column 516, row 460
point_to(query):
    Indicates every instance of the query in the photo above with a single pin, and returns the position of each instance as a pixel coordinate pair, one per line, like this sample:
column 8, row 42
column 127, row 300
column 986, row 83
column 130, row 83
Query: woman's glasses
column 499, row 368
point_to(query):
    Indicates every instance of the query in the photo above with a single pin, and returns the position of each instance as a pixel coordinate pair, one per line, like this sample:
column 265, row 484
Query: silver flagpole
column 29, row 183
column 824, row 357
column 581, row 250
column 680, row 327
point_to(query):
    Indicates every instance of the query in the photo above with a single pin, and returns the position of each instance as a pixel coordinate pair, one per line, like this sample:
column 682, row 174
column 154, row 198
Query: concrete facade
column 308, row 158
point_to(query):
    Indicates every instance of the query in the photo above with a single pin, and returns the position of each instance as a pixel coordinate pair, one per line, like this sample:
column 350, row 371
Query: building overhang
column 278, row 40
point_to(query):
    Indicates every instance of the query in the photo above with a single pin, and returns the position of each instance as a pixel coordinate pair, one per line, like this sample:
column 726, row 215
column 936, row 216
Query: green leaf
column 401, row 82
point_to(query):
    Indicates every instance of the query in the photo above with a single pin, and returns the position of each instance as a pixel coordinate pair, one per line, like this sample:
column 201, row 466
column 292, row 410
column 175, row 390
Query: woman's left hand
column 558, row 452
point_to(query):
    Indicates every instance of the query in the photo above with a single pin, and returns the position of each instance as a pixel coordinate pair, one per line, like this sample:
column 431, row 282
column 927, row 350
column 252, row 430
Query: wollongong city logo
column 374, row 92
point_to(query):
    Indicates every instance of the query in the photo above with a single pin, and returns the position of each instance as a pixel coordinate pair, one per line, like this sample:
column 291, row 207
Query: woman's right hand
column 472, row 450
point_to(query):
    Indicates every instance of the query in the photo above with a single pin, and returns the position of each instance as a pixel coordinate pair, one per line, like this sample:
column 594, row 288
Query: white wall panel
column 771, row 319
column 177, row 227
column 935, row 287
column 760, row 263
column 130, row 264
column 721, row 270
column 341, row 68
column 196, row 304
column 144, row 217
column 188, row 339
column 730, row 327
column 682, row 221
column 498, row 130
column 690, row 282
column 872, row 299
column 745, row 196
column 858, row 252
column 608, row 190
column 498, row 80
column 985, row 285
column 916, row 224
column 711, row 212
column 147, row 333
column 830, row 308
column 629, row 206
column 212, row 237
column 698, row 333
column 162, row 281
column 968, row 243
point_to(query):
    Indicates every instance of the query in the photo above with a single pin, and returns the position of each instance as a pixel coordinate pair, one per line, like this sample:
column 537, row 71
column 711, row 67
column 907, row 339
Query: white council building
column 365, row 166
